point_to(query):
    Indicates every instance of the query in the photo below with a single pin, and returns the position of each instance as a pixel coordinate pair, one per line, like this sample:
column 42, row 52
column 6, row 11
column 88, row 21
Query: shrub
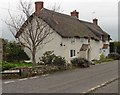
column 12, row 51
column 95, row 61
column 102, row 57
column 114, row 56
column 7, row 66
column 50, row 58
column 81, row 62
column 47, row 57
column 58, row 60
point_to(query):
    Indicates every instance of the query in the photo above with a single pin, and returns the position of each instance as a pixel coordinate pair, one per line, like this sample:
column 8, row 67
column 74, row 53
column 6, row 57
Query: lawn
column 10, row 65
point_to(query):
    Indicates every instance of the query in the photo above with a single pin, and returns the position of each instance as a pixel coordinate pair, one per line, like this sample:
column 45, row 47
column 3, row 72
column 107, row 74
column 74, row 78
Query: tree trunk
column 33, row 56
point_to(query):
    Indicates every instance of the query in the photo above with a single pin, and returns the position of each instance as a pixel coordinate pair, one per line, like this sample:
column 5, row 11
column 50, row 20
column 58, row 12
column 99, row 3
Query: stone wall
column 36, row 70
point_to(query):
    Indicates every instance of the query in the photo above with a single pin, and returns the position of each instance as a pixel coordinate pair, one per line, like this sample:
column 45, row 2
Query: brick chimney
column 38, row 7
column 95, row 21
column 75, row 14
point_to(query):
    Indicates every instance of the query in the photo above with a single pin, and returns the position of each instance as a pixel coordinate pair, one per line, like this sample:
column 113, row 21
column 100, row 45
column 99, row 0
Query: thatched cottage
column 72, row 37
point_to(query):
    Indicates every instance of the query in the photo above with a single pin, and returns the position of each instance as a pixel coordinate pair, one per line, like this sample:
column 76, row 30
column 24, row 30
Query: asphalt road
column 110, row 88
column 75, row 81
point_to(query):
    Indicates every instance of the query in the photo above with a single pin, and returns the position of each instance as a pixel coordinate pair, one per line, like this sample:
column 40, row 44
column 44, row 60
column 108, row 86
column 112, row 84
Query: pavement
column 74, row 81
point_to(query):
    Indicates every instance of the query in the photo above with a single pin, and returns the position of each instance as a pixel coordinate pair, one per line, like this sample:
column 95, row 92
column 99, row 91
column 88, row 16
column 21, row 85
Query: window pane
column 71, row 53
column 74, row 52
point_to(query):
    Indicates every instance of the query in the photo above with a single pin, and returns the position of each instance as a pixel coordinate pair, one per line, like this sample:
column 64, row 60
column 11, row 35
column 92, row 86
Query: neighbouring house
column 1, row 49
column 72, row 37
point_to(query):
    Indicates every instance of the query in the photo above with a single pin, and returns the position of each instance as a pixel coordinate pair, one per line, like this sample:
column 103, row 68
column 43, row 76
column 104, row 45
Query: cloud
column 105, row 10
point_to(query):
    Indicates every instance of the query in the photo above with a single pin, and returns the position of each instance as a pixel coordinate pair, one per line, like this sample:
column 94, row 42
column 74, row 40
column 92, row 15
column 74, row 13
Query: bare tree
column 31, row 31
column 56, row 8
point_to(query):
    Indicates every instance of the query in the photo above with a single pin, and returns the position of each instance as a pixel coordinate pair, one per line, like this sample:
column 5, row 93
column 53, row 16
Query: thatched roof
column 69, row 26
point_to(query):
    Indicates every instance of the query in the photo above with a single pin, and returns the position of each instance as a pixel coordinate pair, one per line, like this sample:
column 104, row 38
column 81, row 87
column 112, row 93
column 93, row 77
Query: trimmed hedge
column 80, row 62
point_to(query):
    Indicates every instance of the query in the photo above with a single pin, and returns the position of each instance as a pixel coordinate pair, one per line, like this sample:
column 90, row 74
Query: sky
column 106, row 11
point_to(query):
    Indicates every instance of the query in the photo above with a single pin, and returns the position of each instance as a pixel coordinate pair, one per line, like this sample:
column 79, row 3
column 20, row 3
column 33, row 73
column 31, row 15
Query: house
column 1, row 50
column 72, row 36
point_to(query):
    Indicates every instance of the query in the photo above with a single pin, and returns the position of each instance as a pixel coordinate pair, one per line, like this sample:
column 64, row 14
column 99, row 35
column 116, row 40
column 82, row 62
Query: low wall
column 36, row 70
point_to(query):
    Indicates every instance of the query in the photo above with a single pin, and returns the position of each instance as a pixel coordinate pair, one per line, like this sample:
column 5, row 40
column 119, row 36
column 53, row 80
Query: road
column 74, row 81
column 111, row 88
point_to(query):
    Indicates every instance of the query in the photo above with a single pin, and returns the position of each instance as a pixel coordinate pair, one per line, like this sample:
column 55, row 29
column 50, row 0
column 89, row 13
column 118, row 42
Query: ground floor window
column 72, row 53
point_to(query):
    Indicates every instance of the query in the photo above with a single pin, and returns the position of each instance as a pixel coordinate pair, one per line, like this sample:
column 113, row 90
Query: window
column 82, row 40
column 103, row 38
column 88, row 40
column 0, row 47
column 72, row 53
column 72, row 40
column 100, row 50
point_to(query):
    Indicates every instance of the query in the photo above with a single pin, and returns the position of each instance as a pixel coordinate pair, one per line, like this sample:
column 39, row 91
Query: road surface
column 109, row 88
column 74, row 81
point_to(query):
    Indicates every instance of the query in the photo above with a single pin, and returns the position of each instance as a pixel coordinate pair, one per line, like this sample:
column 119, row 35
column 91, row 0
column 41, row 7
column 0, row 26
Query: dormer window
column 0, row 47
column 82, row 40
column 102, row 38
column 108, row 37
column 72, row 40
column 88, row 40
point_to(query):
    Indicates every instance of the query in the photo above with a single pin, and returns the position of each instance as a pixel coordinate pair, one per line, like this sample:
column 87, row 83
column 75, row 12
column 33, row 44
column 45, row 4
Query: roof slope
column 68, row 26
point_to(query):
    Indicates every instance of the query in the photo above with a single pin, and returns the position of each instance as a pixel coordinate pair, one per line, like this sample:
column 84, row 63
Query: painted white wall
column 95, row 49
column 53, row 45
column 59, row 50
column 83, row 54
column 69, row 45
column 106, row 51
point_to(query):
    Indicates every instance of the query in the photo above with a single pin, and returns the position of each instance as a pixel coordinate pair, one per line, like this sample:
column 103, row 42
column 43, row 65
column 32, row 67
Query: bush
column 50, row 58
column 58, row 60
column 95, row 61
column 47, row 57
column 12, row 51
column 114, row 56
column 80, row 62
column 7, row 66
column 102, row 57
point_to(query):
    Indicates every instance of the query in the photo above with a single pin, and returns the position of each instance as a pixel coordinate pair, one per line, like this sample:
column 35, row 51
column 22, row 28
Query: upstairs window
column 72, row 40
column 82, row 40
column 88, row 40
column 103, row 38
column 1, row 47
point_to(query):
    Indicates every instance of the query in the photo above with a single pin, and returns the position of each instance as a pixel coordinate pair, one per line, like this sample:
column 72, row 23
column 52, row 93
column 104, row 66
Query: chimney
column 95, row 21
column 75, row 14
column 38, row 7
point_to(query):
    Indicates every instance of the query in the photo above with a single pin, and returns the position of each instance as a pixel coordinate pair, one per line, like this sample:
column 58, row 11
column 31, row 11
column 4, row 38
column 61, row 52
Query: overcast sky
column 106, row 11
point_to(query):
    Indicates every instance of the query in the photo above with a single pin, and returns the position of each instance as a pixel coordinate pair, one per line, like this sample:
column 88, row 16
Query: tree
column 13, row 52
column 115, row 46
column 32, row 35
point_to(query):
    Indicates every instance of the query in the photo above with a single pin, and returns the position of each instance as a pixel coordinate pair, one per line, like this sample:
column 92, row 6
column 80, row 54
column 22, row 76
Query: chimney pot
column 95, row 21
column 38, row 7
column 75, row 14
